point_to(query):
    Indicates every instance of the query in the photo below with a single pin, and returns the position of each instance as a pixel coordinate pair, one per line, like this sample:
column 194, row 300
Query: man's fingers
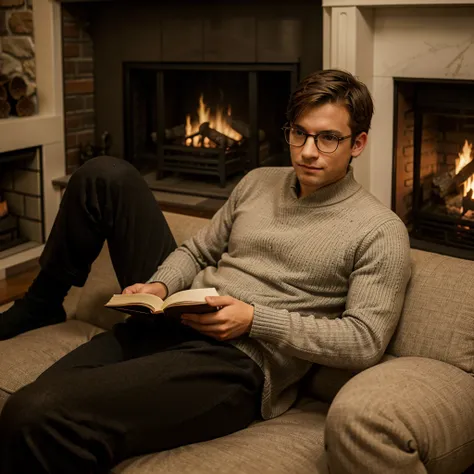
column 133, row 289
column 219, row 300
column 202, row 319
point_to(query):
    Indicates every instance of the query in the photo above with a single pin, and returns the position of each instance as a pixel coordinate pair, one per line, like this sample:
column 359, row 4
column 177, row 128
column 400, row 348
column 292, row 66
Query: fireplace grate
column 205, row 161
column 454, row 232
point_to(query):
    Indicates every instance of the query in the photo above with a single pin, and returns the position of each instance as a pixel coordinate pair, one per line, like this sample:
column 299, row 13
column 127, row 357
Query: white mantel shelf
column 392, row 3
column 17, row 133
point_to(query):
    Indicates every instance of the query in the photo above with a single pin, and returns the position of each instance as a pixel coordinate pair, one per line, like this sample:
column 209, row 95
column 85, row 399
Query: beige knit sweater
column 326, row 274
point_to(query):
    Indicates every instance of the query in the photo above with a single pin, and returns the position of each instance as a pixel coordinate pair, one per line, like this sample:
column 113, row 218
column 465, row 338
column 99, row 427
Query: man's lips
column 311, row 168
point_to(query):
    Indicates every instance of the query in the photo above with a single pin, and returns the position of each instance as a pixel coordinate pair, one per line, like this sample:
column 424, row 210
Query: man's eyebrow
column 300, row 127
column 331, row 132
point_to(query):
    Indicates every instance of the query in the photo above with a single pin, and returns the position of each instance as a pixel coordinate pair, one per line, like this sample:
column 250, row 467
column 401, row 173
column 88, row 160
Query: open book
column 187, row 301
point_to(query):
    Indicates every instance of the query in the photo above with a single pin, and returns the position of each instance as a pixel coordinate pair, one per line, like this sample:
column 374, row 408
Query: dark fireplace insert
column 434, row 166
column 206, row 119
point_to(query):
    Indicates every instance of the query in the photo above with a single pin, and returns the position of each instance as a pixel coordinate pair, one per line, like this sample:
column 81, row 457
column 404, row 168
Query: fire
column 216, row 121
column 464, row 158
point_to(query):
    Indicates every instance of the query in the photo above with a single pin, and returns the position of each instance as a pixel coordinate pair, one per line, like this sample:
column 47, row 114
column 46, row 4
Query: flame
column 464, row 158
column 217, row 122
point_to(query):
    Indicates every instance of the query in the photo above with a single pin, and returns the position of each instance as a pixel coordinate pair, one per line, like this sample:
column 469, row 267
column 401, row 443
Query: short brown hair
column 334, row 86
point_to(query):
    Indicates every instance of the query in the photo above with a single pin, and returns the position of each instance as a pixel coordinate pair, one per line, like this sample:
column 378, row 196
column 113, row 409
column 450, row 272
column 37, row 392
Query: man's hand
column 233, row 319
column 157, row 288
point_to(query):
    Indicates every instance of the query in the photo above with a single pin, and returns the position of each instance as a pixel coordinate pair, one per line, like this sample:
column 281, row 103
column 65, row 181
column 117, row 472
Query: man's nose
column 310, row 150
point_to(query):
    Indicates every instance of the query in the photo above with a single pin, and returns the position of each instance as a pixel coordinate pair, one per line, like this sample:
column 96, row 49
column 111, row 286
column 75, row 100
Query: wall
column 228, row 32
column 78, row 67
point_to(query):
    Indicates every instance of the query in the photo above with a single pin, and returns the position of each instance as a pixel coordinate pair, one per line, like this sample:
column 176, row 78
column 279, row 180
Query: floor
column 14, row 287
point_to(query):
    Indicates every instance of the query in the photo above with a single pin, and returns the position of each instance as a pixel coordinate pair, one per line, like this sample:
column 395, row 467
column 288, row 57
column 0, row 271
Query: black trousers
column 149, row 384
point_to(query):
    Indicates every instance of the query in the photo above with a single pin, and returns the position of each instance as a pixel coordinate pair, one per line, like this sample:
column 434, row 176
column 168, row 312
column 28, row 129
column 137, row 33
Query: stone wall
column 17, row 49
column 78, row 53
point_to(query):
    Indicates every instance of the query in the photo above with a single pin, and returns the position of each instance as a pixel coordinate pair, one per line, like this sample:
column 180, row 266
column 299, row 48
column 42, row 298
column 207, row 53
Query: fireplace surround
column 381, row 43
column 117, row 38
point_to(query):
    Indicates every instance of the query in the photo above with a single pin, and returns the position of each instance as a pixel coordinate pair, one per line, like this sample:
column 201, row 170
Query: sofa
column 411, row 413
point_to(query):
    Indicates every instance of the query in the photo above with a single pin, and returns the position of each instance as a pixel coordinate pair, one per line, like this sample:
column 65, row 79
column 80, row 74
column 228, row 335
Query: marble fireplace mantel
column 379, row 40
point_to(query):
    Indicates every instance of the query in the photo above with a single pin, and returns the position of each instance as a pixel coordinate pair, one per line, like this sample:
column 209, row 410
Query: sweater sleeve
column 179, row 269
column 357, row 338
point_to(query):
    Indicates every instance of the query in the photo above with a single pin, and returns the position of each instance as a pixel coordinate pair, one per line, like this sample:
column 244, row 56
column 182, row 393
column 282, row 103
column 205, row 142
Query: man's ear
column 359, row 144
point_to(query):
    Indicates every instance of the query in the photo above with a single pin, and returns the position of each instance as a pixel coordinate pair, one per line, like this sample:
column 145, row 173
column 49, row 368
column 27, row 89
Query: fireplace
column 21, row 206
column 433, row 182
column 135, row 72
column 206, row 119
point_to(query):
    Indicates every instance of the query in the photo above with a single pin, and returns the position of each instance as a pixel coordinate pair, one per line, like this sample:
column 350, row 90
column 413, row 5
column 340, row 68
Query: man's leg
column 174, row 387
column 106, row 199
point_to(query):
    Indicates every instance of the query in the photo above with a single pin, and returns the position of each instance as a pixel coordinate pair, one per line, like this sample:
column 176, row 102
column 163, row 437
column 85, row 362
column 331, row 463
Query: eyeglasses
column 325, row 142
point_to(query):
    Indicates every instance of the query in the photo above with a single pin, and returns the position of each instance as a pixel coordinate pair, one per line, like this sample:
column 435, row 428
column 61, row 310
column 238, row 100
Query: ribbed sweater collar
column 326, row 196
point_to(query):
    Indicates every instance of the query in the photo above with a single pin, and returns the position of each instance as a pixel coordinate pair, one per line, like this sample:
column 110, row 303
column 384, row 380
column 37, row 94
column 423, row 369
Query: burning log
column 5, row 109
column 464, row 174
column 453, row 204
column 176, row 132
column 218, row 138
column 25, row 107
column 468, row 202
column 443, row 184
column 238, row 126
column 241, row 127
column 448, row 182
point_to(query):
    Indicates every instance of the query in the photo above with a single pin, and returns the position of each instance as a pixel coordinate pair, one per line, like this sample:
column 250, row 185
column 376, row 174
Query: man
column 310, row 267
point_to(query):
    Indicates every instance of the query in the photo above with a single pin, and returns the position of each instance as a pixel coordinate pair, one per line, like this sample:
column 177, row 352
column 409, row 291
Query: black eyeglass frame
column 315, row 137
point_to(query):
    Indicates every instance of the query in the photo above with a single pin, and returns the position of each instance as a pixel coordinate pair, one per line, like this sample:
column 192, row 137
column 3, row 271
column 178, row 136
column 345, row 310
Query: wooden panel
column 279, row 40
column 230, row 39
column 183, row 39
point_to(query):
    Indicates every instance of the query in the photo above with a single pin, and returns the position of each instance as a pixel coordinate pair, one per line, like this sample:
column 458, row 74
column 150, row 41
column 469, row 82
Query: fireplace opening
column 21, row 204
column 434, row 164
column 206, row 121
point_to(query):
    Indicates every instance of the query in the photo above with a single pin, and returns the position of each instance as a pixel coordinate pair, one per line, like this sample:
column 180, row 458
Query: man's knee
column 105, row 168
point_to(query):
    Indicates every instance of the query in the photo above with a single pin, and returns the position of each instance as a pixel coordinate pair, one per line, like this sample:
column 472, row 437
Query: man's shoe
column 27, row 314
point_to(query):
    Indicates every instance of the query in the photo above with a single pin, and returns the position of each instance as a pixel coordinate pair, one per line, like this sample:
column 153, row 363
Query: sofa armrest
column 410, row 414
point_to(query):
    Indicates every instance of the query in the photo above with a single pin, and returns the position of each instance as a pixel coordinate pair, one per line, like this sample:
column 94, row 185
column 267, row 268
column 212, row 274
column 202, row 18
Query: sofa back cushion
column 438, row 315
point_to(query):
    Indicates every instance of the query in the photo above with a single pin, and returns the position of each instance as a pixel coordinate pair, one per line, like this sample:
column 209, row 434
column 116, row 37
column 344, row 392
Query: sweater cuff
column 168, row 277
column 269, row 324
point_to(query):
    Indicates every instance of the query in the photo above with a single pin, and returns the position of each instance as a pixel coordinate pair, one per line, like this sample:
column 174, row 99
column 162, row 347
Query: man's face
column 315, row 169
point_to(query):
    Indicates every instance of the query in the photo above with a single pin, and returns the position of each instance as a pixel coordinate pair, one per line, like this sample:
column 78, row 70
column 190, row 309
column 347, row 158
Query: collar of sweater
column 326, row 196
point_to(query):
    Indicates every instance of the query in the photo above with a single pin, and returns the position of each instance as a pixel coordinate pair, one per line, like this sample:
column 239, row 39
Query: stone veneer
column 17, row 47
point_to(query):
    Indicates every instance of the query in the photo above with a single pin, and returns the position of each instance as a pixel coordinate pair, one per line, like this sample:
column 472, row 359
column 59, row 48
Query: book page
column 190, row 296
column 151, row 301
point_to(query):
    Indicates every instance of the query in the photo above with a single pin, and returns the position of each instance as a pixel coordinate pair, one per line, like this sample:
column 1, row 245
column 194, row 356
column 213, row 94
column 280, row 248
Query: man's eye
column 298, row 133
column 329, row 138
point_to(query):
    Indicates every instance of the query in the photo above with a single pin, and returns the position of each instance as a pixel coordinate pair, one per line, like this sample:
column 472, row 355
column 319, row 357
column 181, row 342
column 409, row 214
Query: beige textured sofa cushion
column 438, row 316
column 290, row 444
column 25, row 357
column 409, row 415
